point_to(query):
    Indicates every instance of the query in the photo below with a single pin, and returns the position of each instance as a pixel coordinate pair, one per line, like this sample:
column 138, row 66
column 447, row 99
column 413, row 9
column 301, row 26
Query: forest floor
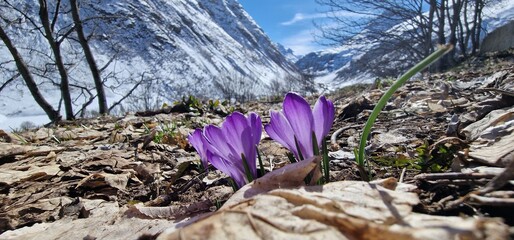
column 448, row 136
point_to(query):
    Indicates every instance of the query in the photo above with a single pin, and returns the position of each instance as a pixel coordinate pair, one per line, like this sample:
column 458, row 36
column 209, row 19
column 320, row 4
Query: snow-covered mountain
column 183, row 46
column 326, row 61
column 288, row 53
column 341, row 66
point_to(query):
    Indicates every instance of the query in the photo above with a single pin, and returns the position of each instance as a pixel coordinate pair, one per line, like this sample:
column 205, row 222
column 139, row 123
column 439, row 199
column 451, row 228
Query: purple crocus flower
column 197, row 140
column 226, row 146
column 293, row 127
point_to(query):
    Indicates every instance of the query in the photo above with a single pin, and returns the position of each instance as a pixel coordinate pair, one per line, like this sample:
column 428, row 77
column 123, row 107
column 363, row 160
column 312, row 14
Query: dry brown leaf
column 8, row 149
column 7, row 137
column 339, row 210
column 32, row 173
column 96, row 180
column 169, row 212
column 435, row 107
column 492, row 137
column 42, row 151
column 290, row 176
column 493, row 119
column 277, row 206
column 43, row 134
column 104, row 222
column 101, row 158
column 146, row 171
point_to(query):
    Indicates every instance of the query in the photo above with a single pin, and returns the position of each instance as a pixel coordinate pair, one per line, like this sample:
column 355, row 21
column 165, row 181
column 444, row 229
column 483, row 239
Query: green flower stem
column 233, row 184
column 326, row 166
column 383, row 100
column 300, row 156
column 291, row 157
column 315, row 147
column 261, row 165
column 249, row 175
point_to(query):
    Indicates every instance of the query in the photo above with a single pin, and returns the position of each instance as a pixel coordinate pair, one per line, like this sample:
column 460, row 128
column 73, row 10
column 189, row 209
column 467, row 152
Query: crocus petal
column 235, row 138
column 238, row 133
column 227, row 167
column 323, row 114
column 196, row 139
column 256, row 124
column 280, row 130
column 217, row 142
column 232, row 129
column 299, row 115
column 250, row 153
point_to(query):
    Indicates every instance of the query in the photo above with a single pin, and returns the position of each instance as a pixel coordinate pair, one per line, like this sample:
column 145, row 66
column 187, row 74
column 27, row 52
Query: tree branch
column 9, row 81
column 128, row 94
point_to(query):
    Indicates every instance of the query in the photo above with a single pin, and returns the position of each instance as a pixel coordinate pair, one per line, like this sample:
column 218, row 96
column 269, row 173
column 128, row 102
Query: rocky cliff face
column 500, row 39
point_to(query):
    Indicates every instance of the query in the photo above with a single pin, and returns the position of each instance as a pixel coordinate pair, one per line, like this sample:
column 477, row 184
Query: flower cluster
column 232, row 148
column 298, row 126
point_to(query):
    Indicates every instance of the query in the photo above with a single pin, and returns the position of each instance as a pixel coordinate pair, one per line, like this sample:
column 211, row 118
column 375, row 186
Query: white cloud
column 302, row 43
column 298, row 17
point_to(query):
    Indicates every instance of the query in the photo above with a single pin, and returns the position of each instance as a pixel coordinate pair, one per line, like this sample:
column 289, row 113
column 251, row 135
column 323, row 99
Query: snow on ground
column 327, row 83
column 3, row 118
column 499, row 14
column 11, row 123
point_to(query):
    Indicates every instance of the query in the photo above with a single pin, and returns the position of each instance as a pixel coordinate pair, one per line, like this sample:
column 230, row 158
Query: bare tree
column 303, row 84
column 29, row 80
column 56, row 49
column 102, row 100
column 406, row 29
column 144, row 98
column 388, row 28
column 277, row 89
column 48, row 20
column 236, row 86
column 71, row 32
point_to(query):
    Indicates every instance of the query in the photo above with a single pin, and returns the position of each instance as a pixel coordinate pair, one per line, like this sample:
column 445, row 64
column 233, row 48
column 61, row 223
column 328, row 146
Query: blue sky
column 288, row 22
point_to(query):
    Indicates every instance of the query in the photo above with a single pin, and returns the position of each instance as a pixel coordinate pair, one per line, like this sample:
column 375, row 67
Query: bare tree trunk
column 453, row 22
column 423, row 27
column 65, row 90
column 429, row 29
column 102, row 101
column 441, row 20
column 477, row 26
column 464, row 30
column 29, row 80
column 441, row 15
